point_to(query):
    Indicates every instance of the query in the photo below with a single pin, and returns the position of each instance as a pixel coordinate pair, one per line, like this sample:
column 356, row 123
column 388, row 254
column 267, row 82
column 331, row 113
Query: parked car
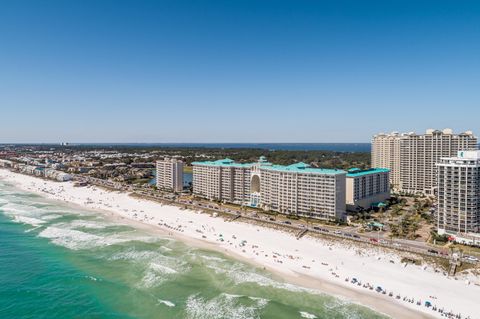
column 471, row 258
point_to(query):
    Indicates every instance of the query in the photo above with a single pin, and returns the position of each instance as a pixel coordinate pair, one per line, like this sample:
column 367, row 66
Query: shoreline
column 275, row 251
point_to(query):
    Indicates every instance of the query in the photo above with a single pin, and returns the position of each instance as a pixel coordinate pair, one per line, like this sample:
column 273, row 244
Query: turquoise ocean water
column 61, row 262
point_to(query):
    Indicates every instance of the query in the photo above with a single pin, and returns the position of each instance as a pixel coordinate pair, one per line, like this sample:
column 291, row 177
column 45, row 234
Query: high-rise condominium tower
column 412, row 157
column 458, row 209
column 170, row 175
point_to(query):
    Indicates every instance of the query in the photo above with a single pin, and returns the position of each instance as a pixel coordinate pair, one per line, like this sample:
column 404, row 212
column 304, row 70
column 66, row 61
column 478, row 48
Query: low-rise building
column 366, row 187
column 6, row 163
column 57, row 175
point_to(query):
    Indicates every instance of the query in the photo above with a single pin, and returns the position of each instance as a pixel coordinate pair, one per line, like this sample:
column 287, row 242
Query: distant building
column 458, row 210
column 170, row 175
column 411, row 157
column 6, row 163
column 57, row 175
column 296, row 189
column 367, row 187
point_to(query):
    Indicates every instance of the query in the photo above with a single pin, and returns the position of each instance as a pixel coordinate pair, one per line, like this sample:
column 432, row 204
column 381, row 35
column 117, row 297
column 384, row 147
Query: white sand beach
column 311, row 262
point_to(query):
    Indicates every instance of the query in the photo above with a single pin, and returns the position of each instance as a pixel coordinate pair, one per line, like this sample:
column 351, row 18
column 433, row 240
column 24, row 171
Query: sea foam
column 75, row 239
column 222, row 306
column 166, row 303
column 307, row 315
column 28, row 220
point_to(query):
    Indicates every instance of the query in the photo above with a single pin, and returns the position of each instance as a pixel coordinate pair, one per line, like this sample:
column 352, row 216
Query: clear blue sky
column 236, row 70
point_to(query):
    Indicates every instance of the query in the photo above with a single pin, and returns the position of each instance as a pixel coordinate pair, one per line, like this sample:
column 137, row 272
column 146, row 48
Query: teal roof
column 355, row 172
column 297, row 167
column 223, row 163
column 375, row 224
column 302, row 168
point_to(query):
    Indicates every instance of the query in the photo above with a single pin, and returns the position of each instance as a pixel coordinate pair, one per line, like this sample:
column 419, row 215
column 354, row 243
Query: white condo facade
column 365, row 188
column 458, row 210
column 222, row 180
column 386, row 154
column 412, row 157
column 170, row 174
column 296, row 189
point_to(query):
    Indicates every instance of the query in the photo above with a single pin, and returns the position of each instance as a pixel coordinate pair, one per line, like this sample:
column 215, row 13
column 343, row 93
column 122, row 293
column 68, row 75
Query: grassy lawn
column 188, row 169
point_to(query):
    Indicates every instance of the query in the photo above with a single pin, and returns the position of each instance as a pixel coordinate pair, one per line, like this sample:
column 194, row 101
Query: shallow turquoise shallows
column 61, row 262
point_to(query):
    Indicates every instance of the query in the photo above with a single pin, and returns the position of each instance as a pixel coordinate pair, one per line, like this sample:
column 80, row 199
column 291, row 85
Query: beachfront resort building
column 412, row 157
column 170, row 175
column 386, row 154
column 458, row 210
column 296, row 189
column 366, row 188
column 222, row 180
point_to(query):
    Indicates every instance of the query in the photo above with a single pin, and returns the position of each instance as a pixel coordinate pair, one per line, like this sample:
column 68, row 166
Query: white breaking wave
column 162, row 269
column 24, row 210
column 307, row 315
column 87, row 224
column 134, row 255
column 239, row 275
column 262, row 302
column 75, row 239
column 166, row 303
column 28, row 220
column 220, row 307
column 50, row 217
column 213, row 258
column 156, row 267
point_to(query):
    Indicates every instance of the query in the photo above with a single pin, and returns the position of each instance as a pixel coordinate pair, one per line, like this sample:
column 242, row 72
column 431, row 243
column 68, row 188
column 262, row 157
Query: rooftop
column 356, row 172
column 303, row 168
column 297, row 167
column 226, row 162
